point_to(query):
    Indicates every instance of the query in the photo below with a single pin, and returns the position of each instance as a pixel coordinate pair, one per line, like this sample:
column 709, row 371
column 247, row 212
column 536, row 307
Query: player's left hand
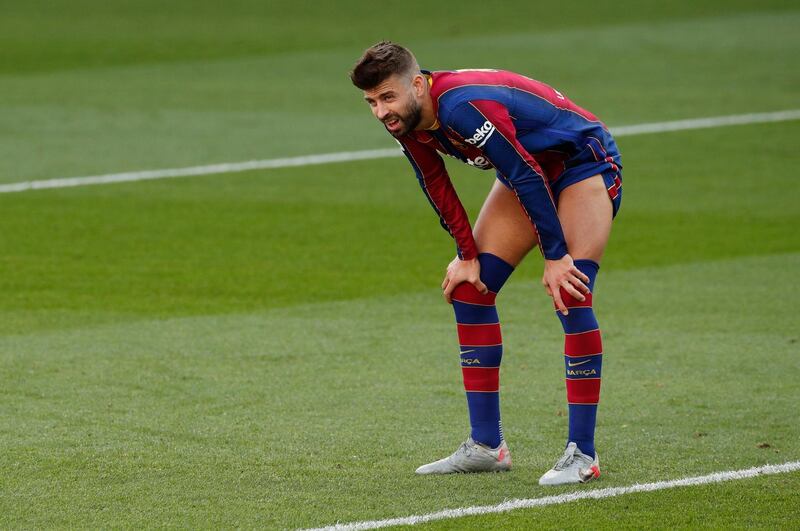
column 562, row 273
column 462, row 271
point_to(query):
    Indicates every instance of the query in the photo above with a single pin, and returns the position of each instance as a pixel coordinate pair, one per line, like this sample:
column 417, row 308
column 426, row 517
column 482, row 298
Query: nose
column 381, row 111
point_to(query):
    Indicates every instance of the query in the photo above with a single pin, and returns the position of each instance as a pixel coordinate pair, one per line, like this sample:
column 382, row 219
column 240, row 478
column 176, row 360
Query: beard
column 409, row 118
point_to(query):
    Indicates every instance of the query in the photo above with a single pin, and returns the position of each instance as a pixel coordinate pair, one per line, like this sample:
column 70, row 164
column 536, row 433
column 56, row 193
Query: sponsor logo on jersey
column 577, row 363
column 482, row 133
column 479, row 162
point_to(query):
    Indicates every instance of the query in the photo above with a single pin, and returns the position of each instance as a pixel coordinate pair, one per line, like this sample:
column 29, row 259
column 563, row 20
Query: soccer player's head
column 393, row 86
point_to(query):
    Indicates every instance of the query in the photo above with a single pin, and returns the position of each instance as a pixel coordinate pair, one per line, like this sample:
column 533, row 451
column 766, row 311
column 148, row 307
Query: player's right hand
column 459, row 271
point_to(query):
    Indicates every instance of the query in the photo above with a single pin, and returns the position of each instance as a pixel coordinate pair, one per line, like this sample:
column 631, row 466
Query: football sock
column 583, row 358
column 482, row 348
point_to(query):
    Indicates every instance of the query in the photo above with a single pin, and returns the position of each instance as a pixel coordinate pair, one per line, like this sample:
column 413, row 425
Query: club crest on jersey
column 456, row 143
column 482, row 133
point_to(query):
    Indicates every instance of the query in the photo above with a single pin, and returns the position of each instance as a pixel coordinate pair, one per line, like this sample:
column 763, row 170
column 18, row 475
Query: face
column 396, row 103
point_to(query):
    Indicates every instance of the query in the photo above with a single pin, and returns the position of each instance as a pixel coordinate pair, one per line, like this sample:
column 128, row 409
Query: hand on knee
column 462, row 272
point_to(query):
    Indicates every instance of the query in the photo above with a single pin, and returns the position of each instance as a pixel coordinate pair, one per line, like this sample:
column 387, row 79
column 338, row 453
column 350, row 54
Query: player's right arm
column 437, row 187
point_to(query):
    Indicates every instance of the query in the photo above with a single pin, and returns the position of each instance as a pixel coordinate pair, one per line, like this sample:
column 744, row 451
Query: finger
column 569, row 288
column 559, row 303
column 445, row 282
column 548, row 290
column 480, row 286
column 444, row 289
column 583, row 288
column 448, row 292
column 580, row 274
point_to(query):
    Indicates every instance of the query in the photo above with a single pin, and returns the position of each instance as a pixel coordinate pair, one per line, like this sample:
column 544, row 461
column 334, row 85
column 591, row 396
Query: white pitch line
column 705, row 123
column 568, row 497
column 348, row 156
column 225, row 167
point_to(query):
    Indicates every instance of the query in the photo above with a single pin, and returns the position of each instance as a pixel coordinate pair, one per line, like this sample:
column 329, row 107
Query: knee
column 469, row 294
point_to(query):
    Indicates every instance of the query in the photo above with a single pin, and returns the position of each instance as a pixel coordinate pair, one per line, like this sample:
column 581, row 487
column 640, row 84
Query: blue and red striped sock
column 482, row 348
column 583, row 359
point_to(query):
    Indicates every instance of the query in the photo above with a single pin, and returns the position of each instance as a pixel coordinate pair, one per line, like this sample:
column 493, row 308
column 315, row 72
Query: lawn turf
column 316, row 413
column 253, row 418
column 767, row 502
column 110, row 113
column 268, row 349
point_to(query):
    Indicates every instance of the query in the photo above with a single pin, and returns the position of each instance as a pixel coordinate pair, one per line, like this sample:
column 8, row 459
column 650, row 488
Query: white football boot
column 573, row 467
column 471, row 457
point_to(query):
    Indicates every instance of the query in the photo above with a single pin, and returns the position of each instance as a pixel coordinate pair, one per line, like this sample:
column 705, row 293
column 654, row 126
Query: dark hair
column 381, row 61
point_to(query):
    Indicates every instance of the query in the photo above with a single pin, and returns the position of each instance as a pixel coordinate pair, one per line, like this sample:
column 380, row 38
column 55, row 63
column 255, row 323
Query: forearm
column 537, row 203
column 437, row 187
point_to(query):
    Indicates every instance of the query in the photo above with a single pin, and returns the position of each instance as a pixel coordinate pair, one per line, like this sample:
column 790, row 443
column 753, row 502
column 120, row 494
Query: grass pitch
column 269, row 349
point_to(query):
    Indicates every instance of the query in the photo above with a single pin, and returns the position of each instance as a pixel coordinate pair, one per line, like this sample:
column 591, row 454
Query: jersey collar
column 429, row 76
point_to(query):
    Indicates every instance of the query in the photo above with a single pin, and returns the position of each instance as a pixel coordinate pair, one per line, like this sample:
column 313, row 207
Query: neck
column 428, row 120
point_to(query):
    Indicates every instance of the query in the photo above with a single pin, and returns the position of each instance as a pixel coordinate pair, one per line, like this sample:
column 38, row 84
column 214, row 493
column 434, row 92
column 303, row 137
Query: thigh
column 503, row 227
column 586, row 211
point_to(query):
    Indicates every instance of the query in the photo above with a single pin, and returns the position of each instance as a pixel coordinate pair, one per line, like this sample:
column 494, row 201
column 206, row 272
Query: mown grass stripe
column 349, row 156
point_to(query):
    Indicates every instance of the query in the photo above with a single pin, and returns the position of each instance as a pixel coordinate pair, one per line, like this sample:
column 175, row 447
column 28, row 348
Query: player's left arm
column 488, row 125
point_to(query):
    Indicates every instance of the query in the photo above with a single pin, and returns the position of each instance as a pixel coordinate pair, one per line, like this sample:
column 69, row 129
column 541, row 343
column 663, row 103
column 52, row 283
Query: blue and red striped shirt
column 524, row 129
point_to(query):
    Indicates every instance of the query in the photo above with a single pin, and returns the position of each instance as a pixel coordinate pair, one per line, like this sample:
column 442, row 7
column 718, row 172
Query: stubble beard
column 410, row 118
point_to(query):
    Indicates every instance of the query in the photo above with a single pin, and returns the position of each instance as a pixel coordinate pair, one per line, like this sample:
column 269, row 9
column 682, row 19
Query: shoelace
column 566, row 459
column 465, row 448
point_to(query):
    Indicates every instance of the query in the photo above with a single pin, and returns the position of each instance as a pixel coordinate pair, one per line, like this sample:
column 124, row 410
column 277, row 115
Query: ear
column 419, row 83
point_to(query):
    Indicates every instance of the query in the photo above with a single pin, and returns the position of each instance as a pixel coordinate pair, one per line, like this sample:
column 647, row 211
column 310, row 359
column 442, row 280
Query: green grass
column 761, row 503
column 305, row 415
column 88, row 118
column 269, row 349
column 245, row 242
